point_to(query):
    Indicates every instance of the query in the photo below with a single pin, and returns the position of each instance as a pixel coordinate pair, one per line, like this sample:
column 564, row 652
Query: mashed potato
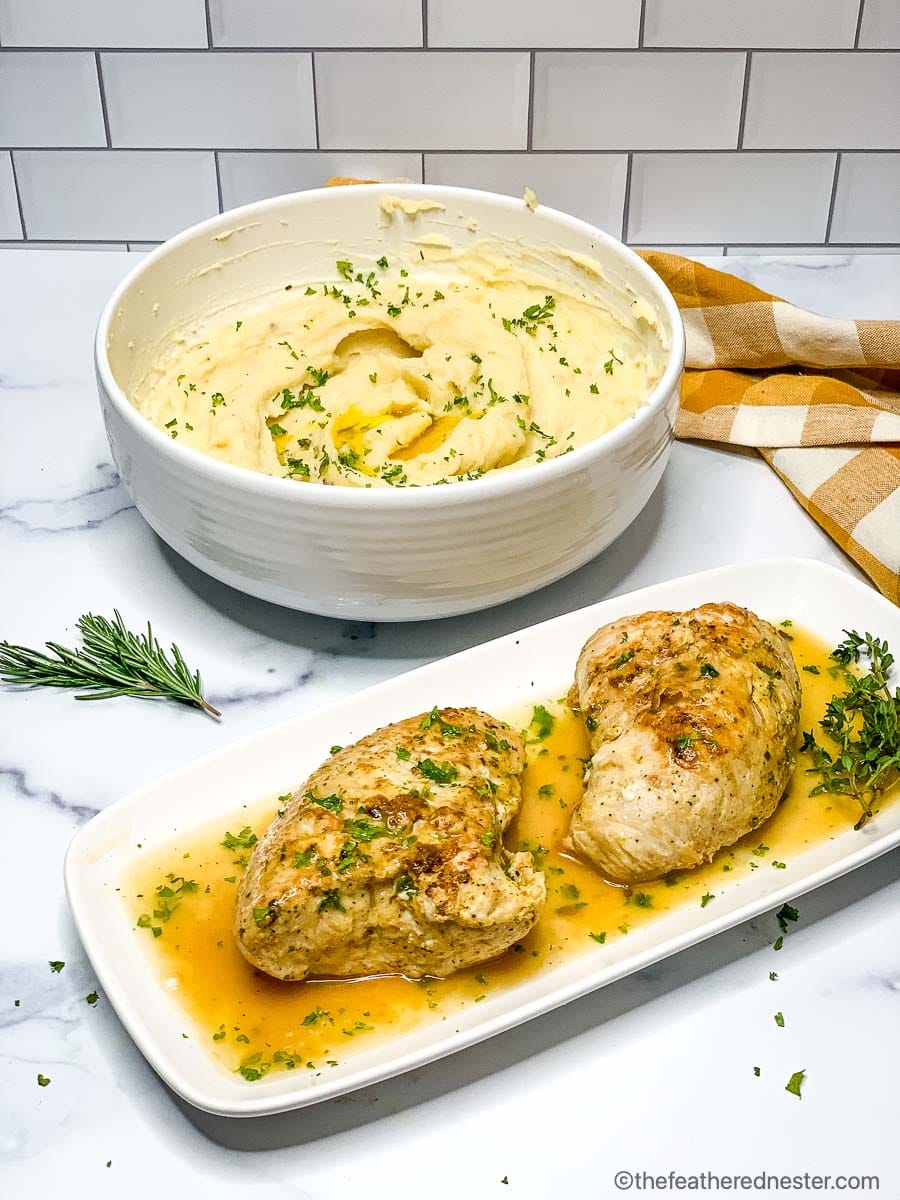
column 406, row 372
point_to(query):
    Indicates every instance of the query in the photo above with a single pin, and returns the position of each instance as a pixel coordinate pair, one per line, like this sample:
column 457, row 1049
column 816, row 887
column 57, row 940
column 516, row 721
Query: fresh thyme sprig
column 863, row 722
column 112, row 661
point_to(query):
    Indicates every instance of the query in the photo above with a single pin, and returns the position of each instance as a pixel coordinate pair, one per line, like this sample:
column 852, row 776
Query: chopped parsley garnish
column 642, row 900
column 786, row 913
column 318, row 1014
column 331, row 899
column 245, row 840
column 92, row 998
column 277, row 430
column 779, row 1020
column 361, row 829
column 303, row 858
column 402, row 753
column 705, row 899
column 608, row 365
column 56, row 966
column 488, row 838
column 598, row 937
column 625, row 657
column 43, row 1080
column 794, row 1084
column 383, row 263
column 541, row 724
column 264, row 916
column 438, row 772
column 435, row 718
column 534, row 315
column 708, row 671
column 812, row 669
column 332, row 803
column 405, row 887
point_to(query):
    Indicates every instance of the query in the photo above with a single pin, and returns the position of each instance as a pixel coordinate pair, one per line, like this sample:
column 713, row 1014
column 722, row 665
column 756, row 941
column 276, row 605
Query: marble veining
column 653, row 1073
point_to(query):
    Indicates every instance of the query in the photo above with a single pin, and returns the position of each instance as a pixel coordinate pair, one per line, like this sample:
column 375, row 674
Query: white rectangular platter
column 500, row 676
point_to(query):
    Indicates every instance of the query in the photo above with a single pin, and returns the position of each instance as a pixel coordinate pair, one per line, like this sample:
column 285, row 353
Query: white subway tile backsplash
column 880, row 25
column 102, row 23
column 531, row 23
column 730, row 197
column 867, row 204
column 210, row 100
column 754, row 23
column 49, row 99
column 114, row 194
column 303, row 23
column 824, row 101
column 637, row 101
column 590, row 186
column 425, row 100
column 248, row 177
column 10, row 224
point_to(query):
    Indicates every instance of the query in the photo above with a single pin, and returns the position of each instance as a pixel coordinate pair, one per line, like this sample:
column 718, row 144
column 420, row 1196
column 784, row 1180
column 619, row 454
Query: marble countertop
column 654, row 1073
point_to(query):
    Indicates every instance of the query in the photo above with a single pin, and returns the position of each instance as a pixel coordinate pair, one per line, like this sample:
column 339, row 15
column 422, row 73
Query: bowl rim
column 504, row 483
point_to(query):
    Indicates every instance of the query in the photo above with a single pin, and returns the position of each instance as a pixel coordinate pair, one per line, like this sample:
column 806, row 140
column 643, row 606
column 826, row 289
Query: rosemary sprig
column 864, row 724
column 112, row 661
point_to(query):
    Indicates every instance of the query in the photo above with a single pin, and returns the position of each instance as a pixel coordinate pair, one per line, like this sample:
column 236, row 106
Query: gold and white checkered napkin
column 819, row 398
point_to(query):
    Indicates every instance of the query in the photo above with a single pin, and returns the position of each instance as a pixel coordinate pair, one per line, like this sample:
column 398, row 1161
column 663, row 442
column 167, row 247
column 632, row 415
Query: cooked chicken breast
column 390, row 857
column 693, row 719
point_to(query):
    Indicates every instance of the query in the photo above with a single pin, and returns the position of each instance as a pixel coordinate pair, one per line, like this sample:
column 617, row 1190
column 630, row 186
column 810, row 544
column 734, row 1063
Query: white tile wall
column 591, row 186
column 599, row 23
column 730, row 197
column 751, row 23
column 425, row 99
column 102, row 23
column 698, row 124
column 880, row 25
column 637, row 100
column 210, row 99
column 248, row 177
column 117, row 195
column 867, row 204
column 10, row 225
column 824, row 101
column 287, row 23
column 49, row 99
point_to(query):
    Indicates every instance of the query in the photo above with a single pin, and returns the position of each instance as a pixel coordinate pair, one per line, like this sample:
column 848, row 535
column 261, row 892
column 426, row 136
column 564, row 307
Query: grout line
column 424, row 24
column 850, row 247
column 859, row 21
column 315, row 90
column 573, row 151
column 847, row 50
column 12, row 163
column 209, row 37
column 641, row 21
column 626, row 199
column 529, row 130
column 423, row 165
column 218, row 180
column 742, row 120
column 831, row 202
column 103, row 107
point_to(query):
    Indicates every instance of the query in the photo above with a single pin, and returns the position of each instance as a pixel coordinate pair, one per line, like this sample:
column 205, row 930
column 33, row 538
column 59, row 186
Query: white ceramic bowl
column 373, row 554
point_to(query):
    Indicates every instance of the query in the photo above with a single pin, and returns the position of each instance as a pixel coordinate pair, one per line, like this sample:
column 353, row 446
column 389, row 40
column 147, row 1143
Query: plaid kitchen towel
column 818, row 397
